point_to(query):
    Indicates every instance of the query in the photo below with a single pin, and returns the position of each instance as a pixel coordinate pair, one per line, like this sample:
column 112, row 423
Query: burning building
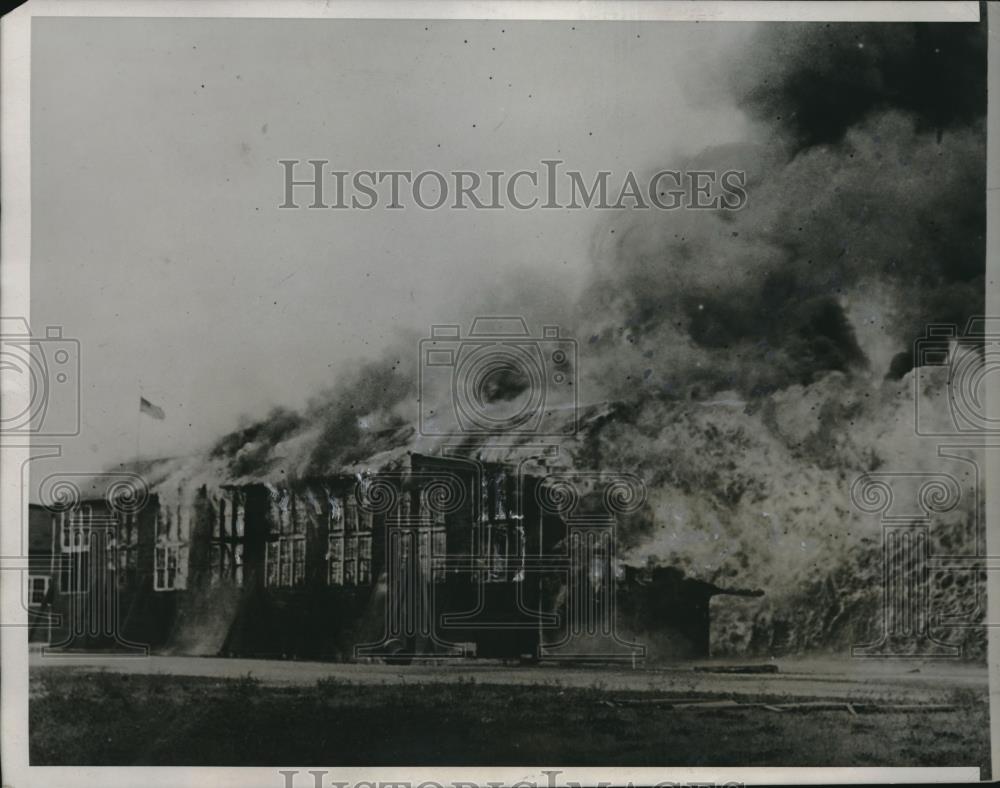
column 430, row 557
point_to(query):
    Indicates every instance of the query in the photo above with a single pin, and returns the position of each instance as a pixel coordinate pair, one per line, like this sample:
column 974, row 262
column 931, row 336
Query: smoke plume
column 754, row 362
column 763, row 359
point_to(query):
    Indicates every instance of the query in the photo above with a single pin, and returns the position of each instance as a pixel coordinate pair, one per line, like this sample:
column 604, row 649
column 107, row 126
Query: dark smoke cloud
column 359, row 418
column 760, row 359
column 814, row 82
column 247, row 449
column 870, row 185
column 356, row 417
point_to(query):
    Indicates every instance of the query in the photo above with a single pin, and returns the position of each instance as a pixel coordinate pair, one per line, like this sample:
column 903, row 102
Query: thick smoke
column 368, row 416
column 763, row 359
column 754, row 362
column 816, row 82
column 865, row 200
column 834, row 81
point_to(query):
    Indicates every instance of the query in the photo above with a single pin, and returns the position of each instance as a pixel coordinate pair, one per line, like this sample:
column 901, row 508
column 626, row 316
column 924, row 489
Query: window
column 439, row 550
column 520, row 554
column 300, row 515
column 74, row 573
column 435, row 514
column 227, row 563
column 38, row 590
column 169, row 565
column 490, row 556
column 170, row 553
column 286, row 561
column 417, row 551
column 349, row 544
column 122, row 549
column 431, row 544
column 286, row 552
column 500, row 508
column 226, row 546
column 74, row 529
column 434, row 518
column 335, row 558
column 500, row 533
column 74, row 539
column 350, row 559
column 350, row 514
column 364, row 559
column 281, row 510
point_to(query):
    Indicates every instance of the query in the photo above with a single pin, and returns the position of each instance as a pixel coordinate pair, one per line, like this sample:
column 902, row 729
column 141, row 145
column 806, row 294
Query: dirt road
column 820, row 678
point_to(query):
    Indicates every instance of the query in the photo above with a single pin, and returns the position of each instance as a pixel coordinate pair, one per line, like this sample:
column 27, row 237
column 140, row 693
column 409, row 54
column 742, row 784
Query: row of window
column 348, row 557
column 348, row 560
column 286, row 561
column 74, row 572
column 291, row 514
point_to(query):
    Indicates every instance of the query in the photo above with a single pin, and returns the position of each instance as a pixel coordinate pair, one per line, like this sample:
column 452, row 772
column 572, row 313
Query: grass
column 86, row 718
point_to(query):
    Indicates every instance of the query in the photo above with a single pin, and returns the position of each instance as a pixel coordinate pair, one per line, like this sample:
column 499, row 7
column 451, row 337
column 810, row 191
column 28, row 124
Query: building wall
column 310, row 570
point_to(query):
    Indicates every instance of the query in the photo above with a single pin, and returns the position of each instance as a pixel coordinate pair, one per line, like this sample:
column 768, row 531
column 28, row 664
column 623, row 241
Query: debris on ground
column 766, row 668
column 853, row 708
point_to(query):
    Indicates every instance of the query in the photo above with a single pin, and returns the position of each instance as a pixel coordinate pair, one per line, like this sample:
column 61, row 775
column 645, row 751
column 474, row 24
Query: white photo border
column 15, row 243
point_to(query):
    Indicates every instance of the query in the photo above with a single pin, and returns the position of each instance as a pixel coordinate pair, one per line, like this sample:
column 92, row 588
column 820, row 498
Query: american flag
column 147, row 407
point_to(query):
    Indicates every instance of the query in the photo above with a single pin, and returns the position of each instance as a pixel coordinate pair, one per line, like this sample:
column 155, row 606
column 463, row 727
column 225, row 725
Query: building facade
column 437, row 558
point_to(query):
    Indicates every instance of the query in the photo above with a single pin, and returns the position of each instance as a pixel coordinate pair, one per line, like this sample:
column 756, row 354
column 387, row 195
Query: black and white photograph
column 537, row 394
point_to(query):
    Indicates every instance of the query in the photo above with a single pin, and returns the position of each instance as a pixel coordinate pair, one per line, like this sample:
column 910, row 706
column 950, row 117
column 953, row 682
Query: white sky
column 156, row 240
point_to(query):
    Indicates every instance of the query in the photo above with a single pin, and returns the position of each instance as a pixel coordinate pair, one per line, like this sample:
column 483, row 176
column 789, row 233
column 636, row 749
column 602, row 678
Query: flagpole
column 138, row 423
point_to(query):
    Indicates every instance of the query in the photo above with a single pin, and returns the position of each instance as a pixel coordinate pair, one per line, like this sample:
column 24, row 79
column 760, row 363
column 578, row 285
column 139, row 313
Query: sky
column 156, row 237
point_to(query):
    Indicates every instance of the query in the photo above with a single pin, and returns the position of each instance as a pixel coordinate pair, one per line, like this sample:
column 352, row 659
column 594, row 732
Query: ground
column 192, row 711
